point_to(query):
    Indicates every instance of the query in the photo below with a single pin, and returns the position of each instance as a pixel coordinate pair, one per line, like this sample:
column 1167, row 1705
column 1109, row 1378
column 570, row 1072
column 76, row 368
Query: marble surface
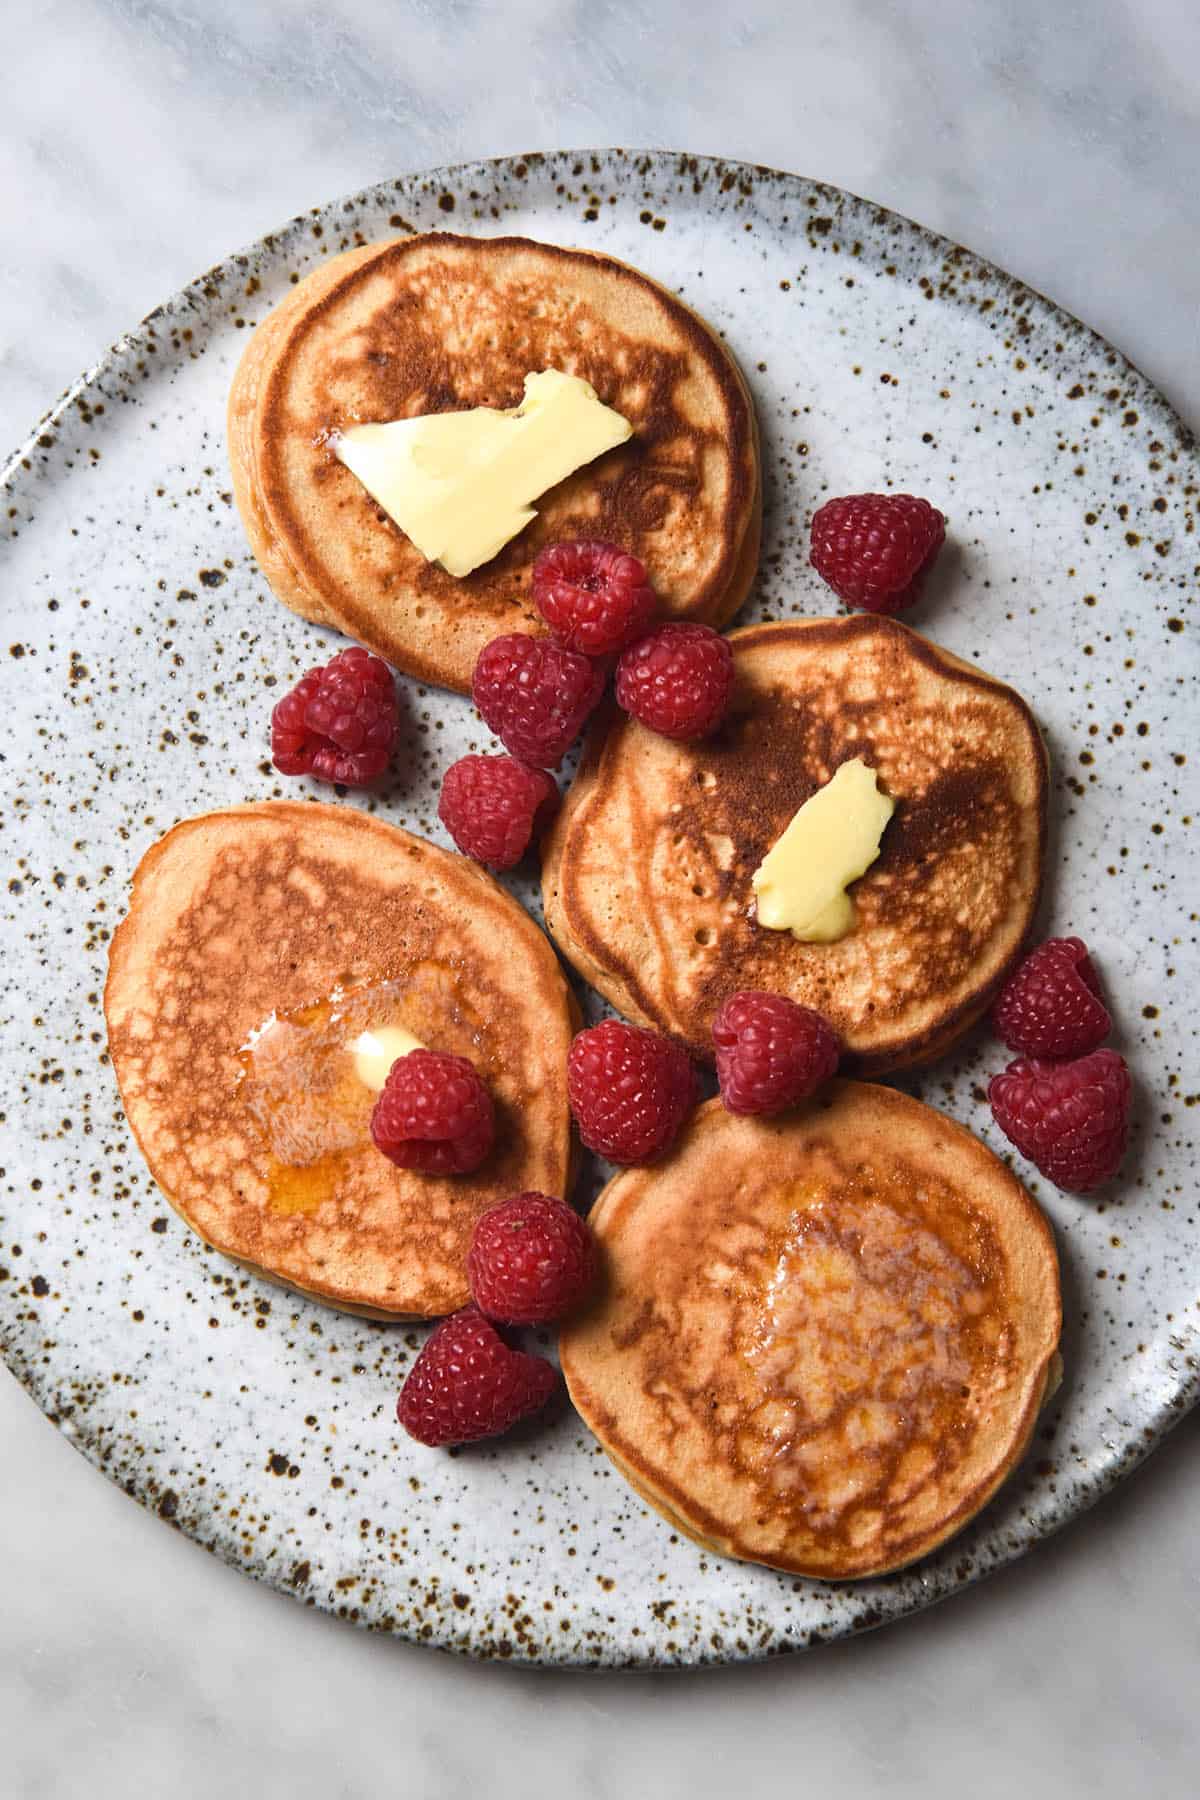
column 143, row 140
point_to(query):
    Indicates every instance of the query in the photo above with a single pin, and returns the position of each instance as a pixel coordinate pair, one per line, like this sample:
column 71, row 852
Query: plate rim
column 193, row 289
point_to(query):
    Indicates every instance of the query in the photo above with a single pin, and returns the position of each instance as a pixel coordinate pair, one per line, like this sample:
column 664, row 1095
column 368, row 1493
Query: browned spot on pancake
column 644, row 1322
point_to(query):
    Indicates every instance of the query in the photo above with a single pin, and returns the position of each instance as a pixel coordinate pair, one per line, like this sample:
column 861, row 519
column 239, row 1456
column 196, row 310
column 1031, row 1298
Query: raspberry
column 339, row 723
column 771, row 1053
column 594, row 597
column 535, row 696
column 1071, row 1119
column 532, row 1260
column 492, row 807
column 678, row 680
column 630, row 1090
column 875, row 550
column 434, row 1114
column 467, row 1383
column 1051, row 1005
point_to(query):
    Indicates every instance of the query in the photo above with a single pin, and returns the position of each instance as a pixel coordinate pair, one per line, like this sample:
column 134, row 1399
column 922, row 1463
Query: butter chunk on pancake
column 444, row 323
column 261, row 944
column 648, row 871
column 824, row 1339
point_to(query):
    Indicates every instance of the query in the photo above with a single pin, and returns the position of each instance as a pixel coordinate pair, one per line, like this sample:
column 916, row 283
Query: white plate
column 145, row 655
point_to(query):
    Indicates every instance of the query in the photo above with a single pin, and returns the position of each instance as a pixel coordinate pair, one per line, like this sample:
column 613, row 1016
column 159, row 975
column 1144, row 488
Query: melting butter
column 801, row 883
column 462, row 484
column 375, row 1051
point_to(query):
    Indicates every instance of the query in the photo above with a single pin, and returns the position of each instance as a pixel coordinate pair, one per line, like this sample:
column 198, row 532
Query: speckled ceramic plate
column 142, row 653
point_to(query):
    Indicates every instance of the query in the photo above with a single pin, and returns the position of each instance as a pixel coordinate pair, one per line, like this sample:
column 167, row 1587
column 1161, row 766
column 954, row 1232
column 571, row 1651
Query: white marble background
column 141, row 140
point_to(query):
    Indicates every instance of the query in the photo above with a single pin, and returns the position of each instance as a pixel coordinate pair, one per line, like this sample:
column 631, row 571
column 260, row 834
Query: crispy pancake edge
column 282, row 578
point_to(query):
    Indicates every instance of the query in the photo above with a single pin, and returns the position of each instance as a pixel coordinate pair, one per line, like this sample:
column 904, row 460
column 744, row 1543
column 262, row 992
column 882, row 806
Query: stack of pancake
column 824, row 1339
column 444, row 323
column 326, row 923
column 647, row 876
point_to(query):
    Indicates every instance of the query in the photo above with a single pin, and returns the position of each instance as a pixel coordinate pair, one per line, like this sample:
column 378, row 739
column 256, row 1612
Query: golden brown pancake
column 259, row 944
column 823, row 1339
column 442, row 323
column 647, row 872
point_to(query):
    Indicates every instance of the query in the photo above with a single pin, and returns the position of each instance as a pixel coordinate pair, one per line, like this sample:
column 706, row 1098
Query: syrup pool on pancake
column 309, row 1078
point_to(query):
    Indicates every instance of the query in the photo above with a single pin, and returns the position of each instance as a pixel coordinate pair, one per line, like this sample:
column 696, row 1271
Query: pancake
column 259, row 943
column 442, row 323
column 823, row 1339
column 647, row 872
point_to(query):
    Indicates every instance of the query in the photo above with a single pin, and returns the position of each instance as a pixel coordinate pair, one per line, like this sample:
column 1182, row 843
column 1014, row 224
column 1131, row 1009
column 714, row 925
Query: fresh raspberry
column 339, row 723
column 1069, row 1118
column 1051, row 1005
column 493, row 806
column 771, row 1053
column 467, row 1383
column 875, row 550
column 434, row 1114
column 594, row 597
column 532, row 1260
column 678, row 680
column 535, row 696
column 630, row 1090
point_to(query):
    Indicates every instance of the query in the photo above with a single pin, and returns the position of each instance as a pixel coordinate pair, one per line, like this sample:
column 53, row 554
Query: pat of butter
column 461, row 484
column 833, row 839
column 375, row 1051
